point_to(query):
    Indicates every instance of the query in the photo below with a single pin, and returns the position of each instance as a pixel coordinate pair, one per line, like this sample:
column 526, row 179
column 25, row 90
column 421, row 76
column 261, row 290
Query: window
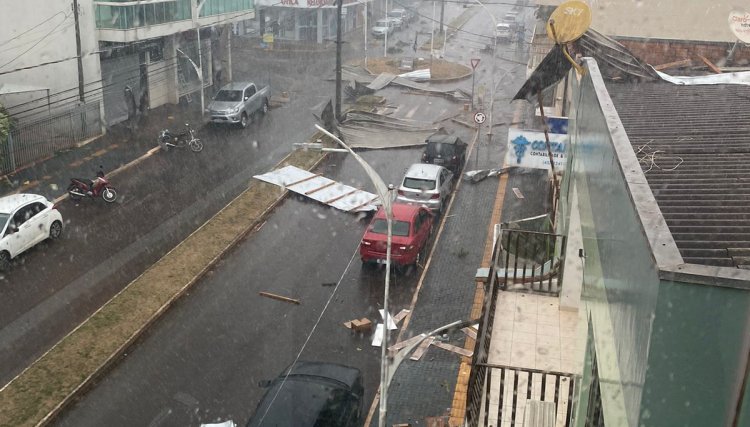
column 400, row 228
column 419, row 184
column 249, row 91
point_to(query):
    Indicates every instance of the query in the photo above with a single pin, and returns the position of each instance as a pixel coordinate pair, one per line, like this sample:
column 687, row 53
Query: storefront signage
column 739, row 23
column 528, row 149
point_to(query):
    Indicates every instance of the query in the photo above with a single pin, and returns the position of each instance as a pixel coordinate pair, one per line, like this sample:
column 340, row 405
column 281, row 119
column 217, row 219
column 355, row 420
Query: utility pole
column 78, row 52
column 339, row 7
column 442, row 14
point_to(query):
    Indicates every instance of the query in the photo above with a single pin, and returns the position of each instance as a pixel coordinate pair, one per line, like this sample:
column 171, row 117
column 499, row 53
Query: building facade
column 311, row 21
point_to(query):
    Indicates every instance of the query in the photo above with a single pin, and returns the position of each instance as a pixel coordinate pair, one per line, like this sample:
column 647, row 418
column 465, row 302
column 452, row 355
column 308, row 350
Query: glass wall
column 217, row 7
column 134, row 16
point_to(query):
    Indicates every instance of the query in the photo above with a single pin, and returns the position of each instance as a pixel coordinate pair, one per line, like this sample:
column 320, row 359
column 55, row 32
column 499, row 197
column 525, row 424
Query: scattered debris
column 675, row 64
column 328, row 284
column 518, row 193
column 453, row 348
column 470, row 332
column 478, row 175
column 401, row 315
column 388, row 320
column 371, row 100
column 322, row 189
column 401, row 344
column 710, row 64
column 422, row 348
column 280, row 298
column 362, row 129
column 377, row 337
column 361, row 325
column 417, row 75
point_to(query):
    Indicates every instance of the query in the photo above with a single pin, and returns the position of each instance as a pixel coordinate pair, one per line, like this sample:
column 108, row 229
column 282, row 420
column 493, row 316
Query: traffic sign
column 479, row 118
column 474, row 63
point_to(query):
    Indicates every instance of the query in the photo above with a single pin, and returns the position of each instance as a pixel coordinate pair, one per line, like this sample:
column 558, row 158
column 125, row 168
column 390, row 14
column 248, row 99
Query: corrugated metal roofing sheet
column 693, row 143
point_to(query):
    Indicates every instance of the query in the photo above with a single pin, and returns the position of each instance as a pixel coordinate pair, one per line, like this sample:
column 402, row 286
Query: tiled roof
column 693, row 143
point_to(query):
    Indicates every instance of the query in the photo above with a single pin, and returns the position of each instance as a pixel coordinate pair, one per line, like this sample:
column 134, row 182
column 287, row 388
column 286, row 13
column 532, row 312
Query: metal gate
column 36, row 141
column 118, row 73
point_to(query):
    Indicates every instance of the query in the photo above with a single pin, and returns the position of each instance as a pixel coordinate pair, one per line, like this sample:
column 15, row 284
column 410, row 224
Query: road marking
column 411, row 112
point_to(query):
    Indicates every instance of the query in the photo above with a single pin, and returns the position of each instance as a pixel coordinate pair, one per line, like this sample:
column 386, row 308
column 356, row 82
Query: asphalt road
column 54, row 286
column 202, row 363
column 203, row 360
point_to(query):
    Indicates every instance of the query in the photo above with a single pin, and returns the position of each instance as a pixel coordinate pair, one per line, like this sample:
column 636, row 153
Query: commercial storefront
column 307, row 20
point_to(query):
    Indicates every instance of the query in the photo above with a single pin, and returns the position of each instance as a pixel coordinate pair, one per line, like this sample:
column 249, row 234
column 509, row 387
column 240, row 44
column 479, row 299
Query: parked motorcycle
column 167, row 139
column 99, row 187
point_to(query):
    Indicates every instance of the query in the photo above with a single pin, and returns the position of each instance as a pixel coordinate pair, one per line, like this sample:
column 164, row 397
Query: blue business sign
column 529, row 149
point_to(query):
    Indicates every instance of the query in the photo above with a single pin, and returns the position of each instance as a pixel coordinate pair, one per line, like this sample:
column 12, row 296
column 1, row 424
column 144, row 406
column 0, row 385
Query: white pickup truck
column 238, row 103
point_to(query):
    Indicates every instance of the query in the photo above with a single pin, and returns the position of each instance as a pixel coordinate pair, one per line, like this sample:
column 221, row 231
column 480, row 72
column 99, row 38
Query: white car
column 383, row 26
column 426, row 185
column 25, row 220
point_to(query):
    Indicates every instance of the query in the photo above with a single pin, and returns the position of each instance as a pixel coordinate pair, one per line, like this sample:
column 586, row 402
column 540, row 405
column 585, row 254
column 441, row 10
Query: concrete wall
column 30, row 42
column 665, row 19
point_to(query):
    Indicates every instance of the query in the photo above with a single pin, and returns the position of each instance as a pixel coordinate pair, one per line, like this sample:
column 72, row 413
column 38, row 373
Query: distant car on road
column 511, row 18
column 503, row 32
column 238, row 103
column 26, row 220
column 313, row 394
column 426, row 185
column 445, row 150
column 383, row 26
column 401, row 17
column 411, row 229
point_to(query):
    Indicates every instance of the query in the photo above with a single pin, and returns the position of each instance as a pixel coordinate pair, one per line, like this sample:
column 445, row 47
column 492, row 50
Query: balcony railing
column 218, row 7
column 120, row 15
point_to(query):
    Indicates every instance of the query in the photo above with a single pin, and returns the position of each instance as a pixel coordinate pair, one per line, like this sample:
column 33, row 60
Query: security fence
column 31, row 142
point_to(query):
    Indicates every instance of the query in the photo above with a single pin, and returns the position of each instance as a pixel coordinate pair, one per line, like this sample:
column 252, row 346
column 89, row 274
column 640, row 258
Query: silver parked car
column 426, row 185
column 238, row 102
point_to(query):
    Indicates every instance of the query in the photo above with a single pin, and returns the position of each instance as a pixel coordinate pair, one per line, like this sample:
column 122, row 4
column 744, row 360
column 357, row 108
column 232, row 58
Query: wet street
column 202, row 361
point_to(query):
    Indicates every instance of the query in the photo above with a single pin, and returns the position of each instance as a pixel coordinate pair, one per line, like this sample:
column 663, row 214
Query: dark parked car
column 447, row 151
column 314, row 394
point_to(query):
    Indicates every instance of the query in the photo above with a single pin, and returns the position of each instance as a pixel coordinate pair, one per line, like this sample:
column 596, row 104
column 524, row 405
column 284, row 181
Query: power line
column 30, row 29
column 35, row 44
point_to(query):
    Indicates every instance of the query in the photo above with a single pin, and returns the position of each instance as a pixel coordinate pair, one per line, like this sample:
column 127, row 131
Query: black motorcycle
column 167, row 139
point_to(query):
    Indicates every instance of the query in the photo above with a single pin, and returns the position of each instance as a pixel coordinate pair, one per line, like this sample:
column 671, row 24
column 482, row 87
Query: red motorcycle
column 99, row 187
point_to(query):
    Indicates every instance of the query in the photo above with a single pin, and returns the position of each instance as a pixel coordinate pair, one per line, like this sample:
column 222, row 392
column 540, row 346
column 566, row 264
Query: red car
column 412, row 226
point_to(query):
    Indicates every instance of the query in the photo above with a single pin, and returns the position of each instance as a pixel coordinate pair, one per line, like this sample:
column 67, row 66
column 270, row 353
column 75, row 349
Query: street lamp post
column 383, row 192
column 200, row 52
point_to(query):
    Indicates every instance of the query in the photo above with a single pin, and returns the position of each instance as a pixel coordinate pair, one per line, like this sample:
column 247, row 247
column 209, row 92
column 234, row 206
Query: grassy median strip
column 45, row 387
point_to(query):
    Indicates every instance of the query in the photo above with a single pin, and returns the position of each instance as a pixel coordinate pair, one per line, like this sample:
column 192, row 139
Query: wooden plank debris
column 401, row 315
column 362, row 325
column 422, row 348
column 405, row 343
column 675, row 64
column 280, row 298
column 453, row 348
column 710, row 64
column 470, row 332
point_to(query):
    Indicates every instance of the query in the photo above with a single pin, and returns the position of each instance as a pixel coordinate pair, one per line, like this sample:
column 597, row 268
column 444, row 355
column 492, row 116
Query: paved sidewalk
column 119, row 146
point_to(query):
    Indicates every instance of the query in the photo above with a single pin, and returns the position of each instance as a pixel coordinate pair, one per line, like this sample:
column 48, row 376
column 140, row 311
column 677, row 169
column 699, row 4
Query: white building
column 152, row 48
column 309, row 20
column 38, row 32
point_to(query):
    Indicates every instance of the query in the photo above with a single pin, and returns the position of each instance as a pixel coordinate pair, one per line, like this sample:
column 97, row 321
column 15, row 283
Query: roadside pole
column 479, row 118
column 474, row 64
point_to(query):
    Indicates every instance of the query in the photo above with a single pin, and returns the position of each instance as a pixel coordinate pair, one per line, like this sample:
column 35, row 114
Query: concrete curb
column 117, row 355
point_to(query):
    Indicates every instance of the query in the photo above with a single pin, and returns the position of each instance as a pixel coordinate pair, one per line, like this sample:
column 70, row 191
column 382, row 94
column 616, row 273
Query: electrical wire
column 31, row 29
column 309, row 335
column 39, row 41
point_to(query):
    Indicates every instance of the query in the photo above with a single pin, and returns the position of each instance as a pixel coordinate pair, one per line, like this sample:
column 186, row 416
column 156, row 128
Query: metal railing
column 530, row 261
column 478, row 375
column 32, row 142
